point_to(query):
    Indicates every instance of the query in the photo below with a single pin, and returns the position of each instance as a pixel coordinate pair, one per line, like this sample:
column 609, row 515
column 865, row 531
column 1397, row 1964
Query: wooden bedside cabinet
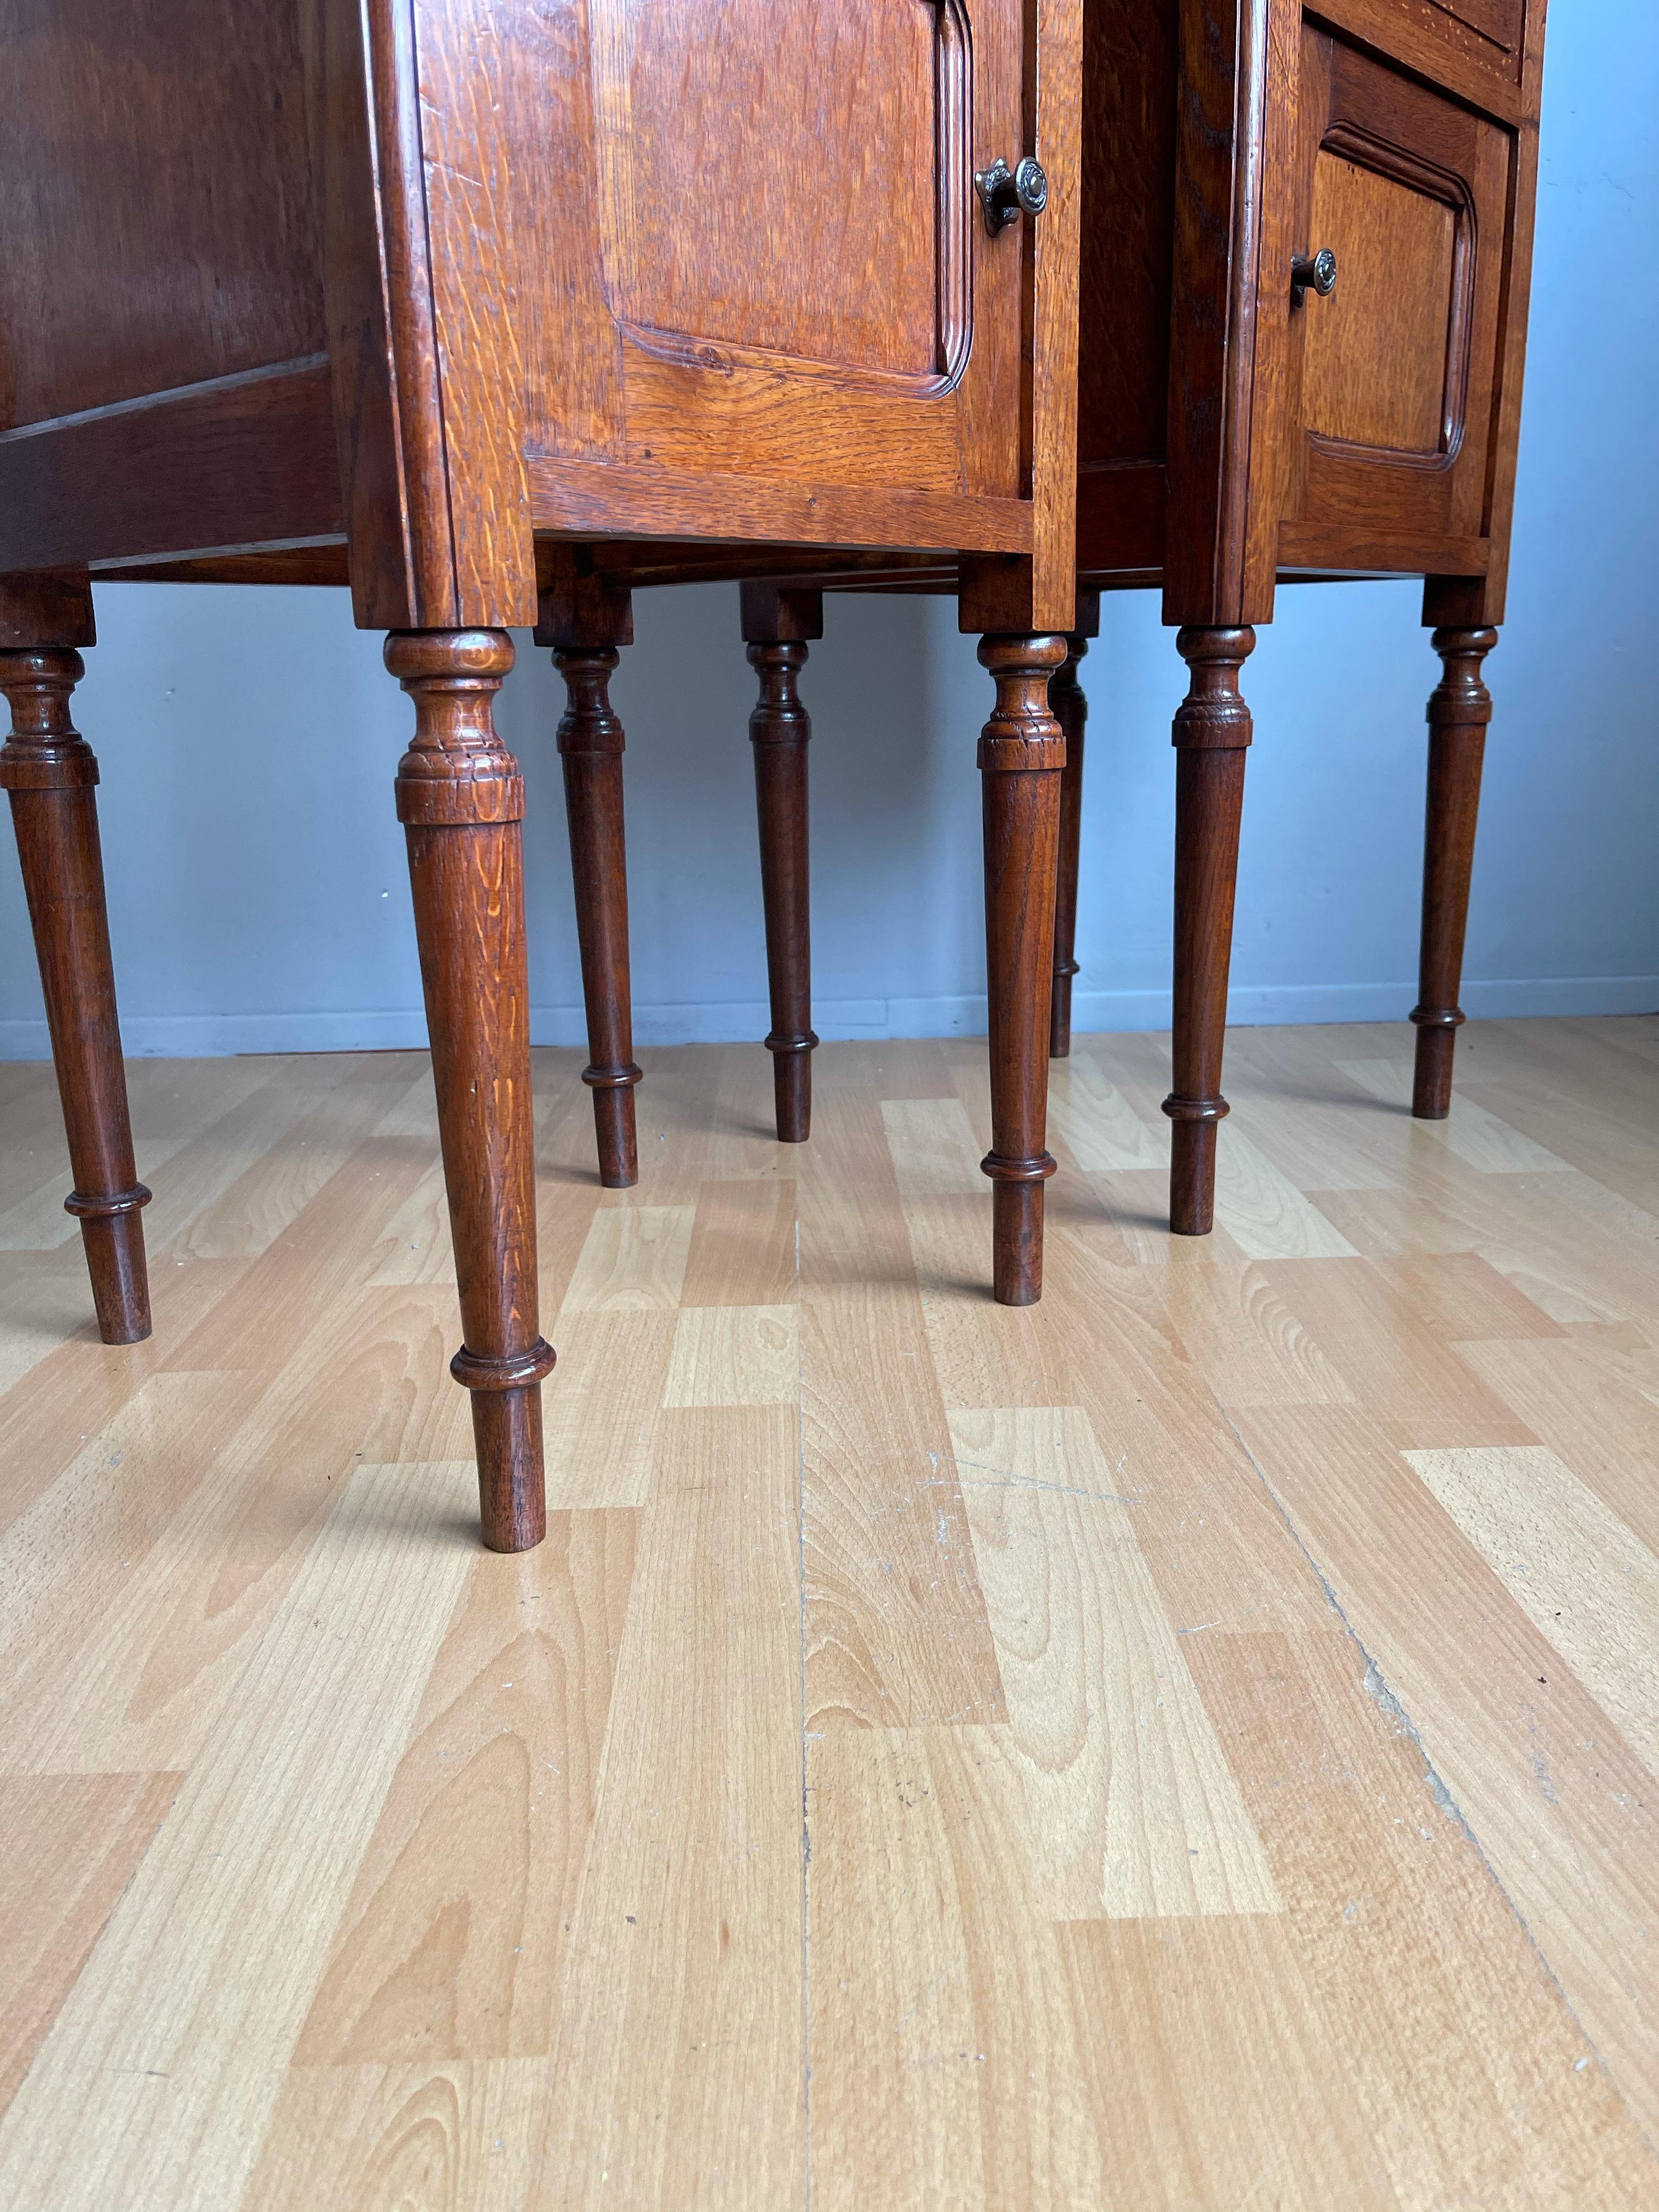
column 1306, row 237
column 446, row 298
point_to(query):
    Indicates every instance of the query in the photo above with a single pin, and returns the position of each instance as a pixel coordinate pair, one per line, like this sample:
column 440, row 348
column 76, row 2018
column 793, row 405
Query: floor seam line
column 1377, row 1686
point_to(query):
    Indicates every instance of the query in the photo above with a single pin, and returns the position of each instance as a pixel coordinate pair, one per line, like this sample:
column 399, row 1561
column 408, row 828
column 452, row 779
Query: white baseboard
column 188, row 1036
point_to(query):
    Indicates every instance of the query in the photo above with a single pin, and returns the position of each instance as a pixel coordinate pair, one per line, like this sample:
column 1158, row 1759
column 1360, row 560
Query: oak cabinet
column 1234, row 428
column 1245, row 420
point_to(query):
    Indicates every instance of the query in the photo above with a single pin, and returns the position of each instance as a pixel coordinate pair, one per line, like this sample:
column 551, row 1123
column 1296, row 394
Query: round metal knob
column 1031, row 185
column 1004, row 191
column 1314, row 272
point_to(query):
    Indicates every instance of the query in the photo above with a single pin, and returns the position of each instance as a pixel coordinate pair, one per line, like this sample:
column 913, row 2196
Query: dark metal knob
column 1314, row 272
column 1004, row 191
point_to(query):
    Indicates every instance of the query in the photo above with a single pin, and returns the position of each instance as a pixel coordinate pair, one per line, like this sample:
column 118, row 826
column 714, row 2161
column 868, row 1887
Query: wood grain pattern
column 202, row 469
column 686, row 1939
column 1375, row 373
column 421, row 2134
column 210, row 284
column 1548, row 1537
column 859, row 198
column 375, row 333
column 192, row 1986
column 451, row 1944
column 735, row 1356
column 1123, row 1820
column 1055, row 97
column 1188, row 1739
column 72, row 1842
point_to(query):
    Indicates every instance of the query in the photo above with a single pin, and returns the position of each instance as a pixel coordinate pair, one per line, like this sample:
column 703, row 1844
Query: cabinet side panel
column 1512, row 351
column 1130, row 56
column 155, row 200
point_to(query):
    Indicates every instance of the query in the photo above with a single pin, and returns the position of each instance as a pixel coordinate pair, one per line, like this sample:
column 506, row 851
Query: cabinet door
column 756, row 259
column 1391, row 378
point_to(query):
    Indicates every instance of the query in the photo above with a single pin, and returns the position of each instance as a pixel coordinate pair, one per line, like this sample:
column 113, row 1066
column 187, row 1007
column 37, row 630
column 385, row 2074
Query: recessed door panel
column 779, row 269
column 1390, row 380
column 784, row 178
column 1375, row 371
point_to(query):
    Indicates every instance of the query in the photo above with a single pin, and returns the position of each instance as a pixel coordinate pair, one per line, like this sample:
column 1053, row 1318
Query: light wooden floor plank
column 1557, row 1799
column 452, row 1944
column 168, row 2051
column 409, row 2138
column 1125, row 1804
column 1472, row 2083
column 68, row 1844
column 1573, row 1567
column 684, row 1954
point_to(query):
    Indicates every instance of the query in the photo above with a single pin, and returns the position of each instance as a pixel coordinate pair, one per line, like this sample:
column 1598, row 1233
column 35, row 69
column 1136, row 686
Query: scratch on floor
column 997, row 1478
column 1377, row 1685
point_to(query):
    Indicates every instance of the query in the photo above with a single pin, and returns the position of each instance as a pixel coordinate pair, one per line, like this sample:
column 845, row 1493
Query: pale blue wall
column 256, row 875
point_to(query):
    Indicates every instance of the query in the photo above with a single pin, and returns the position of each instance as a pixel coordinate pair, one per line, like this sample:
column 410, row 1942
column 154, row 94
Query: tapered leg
column 776, row 625
column 50, row 771
column 1022, row 752
column 590, row 745
column 1460, row 708
column 1071, row 711
column 1212, row 732
column 460, row 799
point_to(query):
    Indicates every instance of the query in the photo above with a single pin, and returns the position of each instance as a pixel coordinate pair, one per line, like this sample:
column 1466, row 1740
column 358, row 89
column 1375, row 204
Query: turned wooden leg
column 1021, row 754
column 460, row 799
column 591, row 747
column 1460, row 707
column 776, row 625
column 1212, row 730
column 1071, row 711
column 50, row 771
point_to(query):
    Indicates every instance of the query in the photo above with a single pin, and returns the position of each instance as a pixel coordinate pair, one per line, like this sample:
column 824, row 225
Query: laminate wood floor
column 1192, row 1743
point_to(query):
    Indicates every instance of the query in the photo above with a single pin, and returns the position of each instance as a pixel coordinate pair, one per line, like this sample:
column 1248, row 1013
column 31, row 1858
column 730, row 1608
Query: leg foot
column 50, row 773
column 1021, row 754
column 1212, row 730
column 506, row 1435
column 776, row 625
column 590, row 745
column 461, row 800
column 1460, row 708
column 792, row 1092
